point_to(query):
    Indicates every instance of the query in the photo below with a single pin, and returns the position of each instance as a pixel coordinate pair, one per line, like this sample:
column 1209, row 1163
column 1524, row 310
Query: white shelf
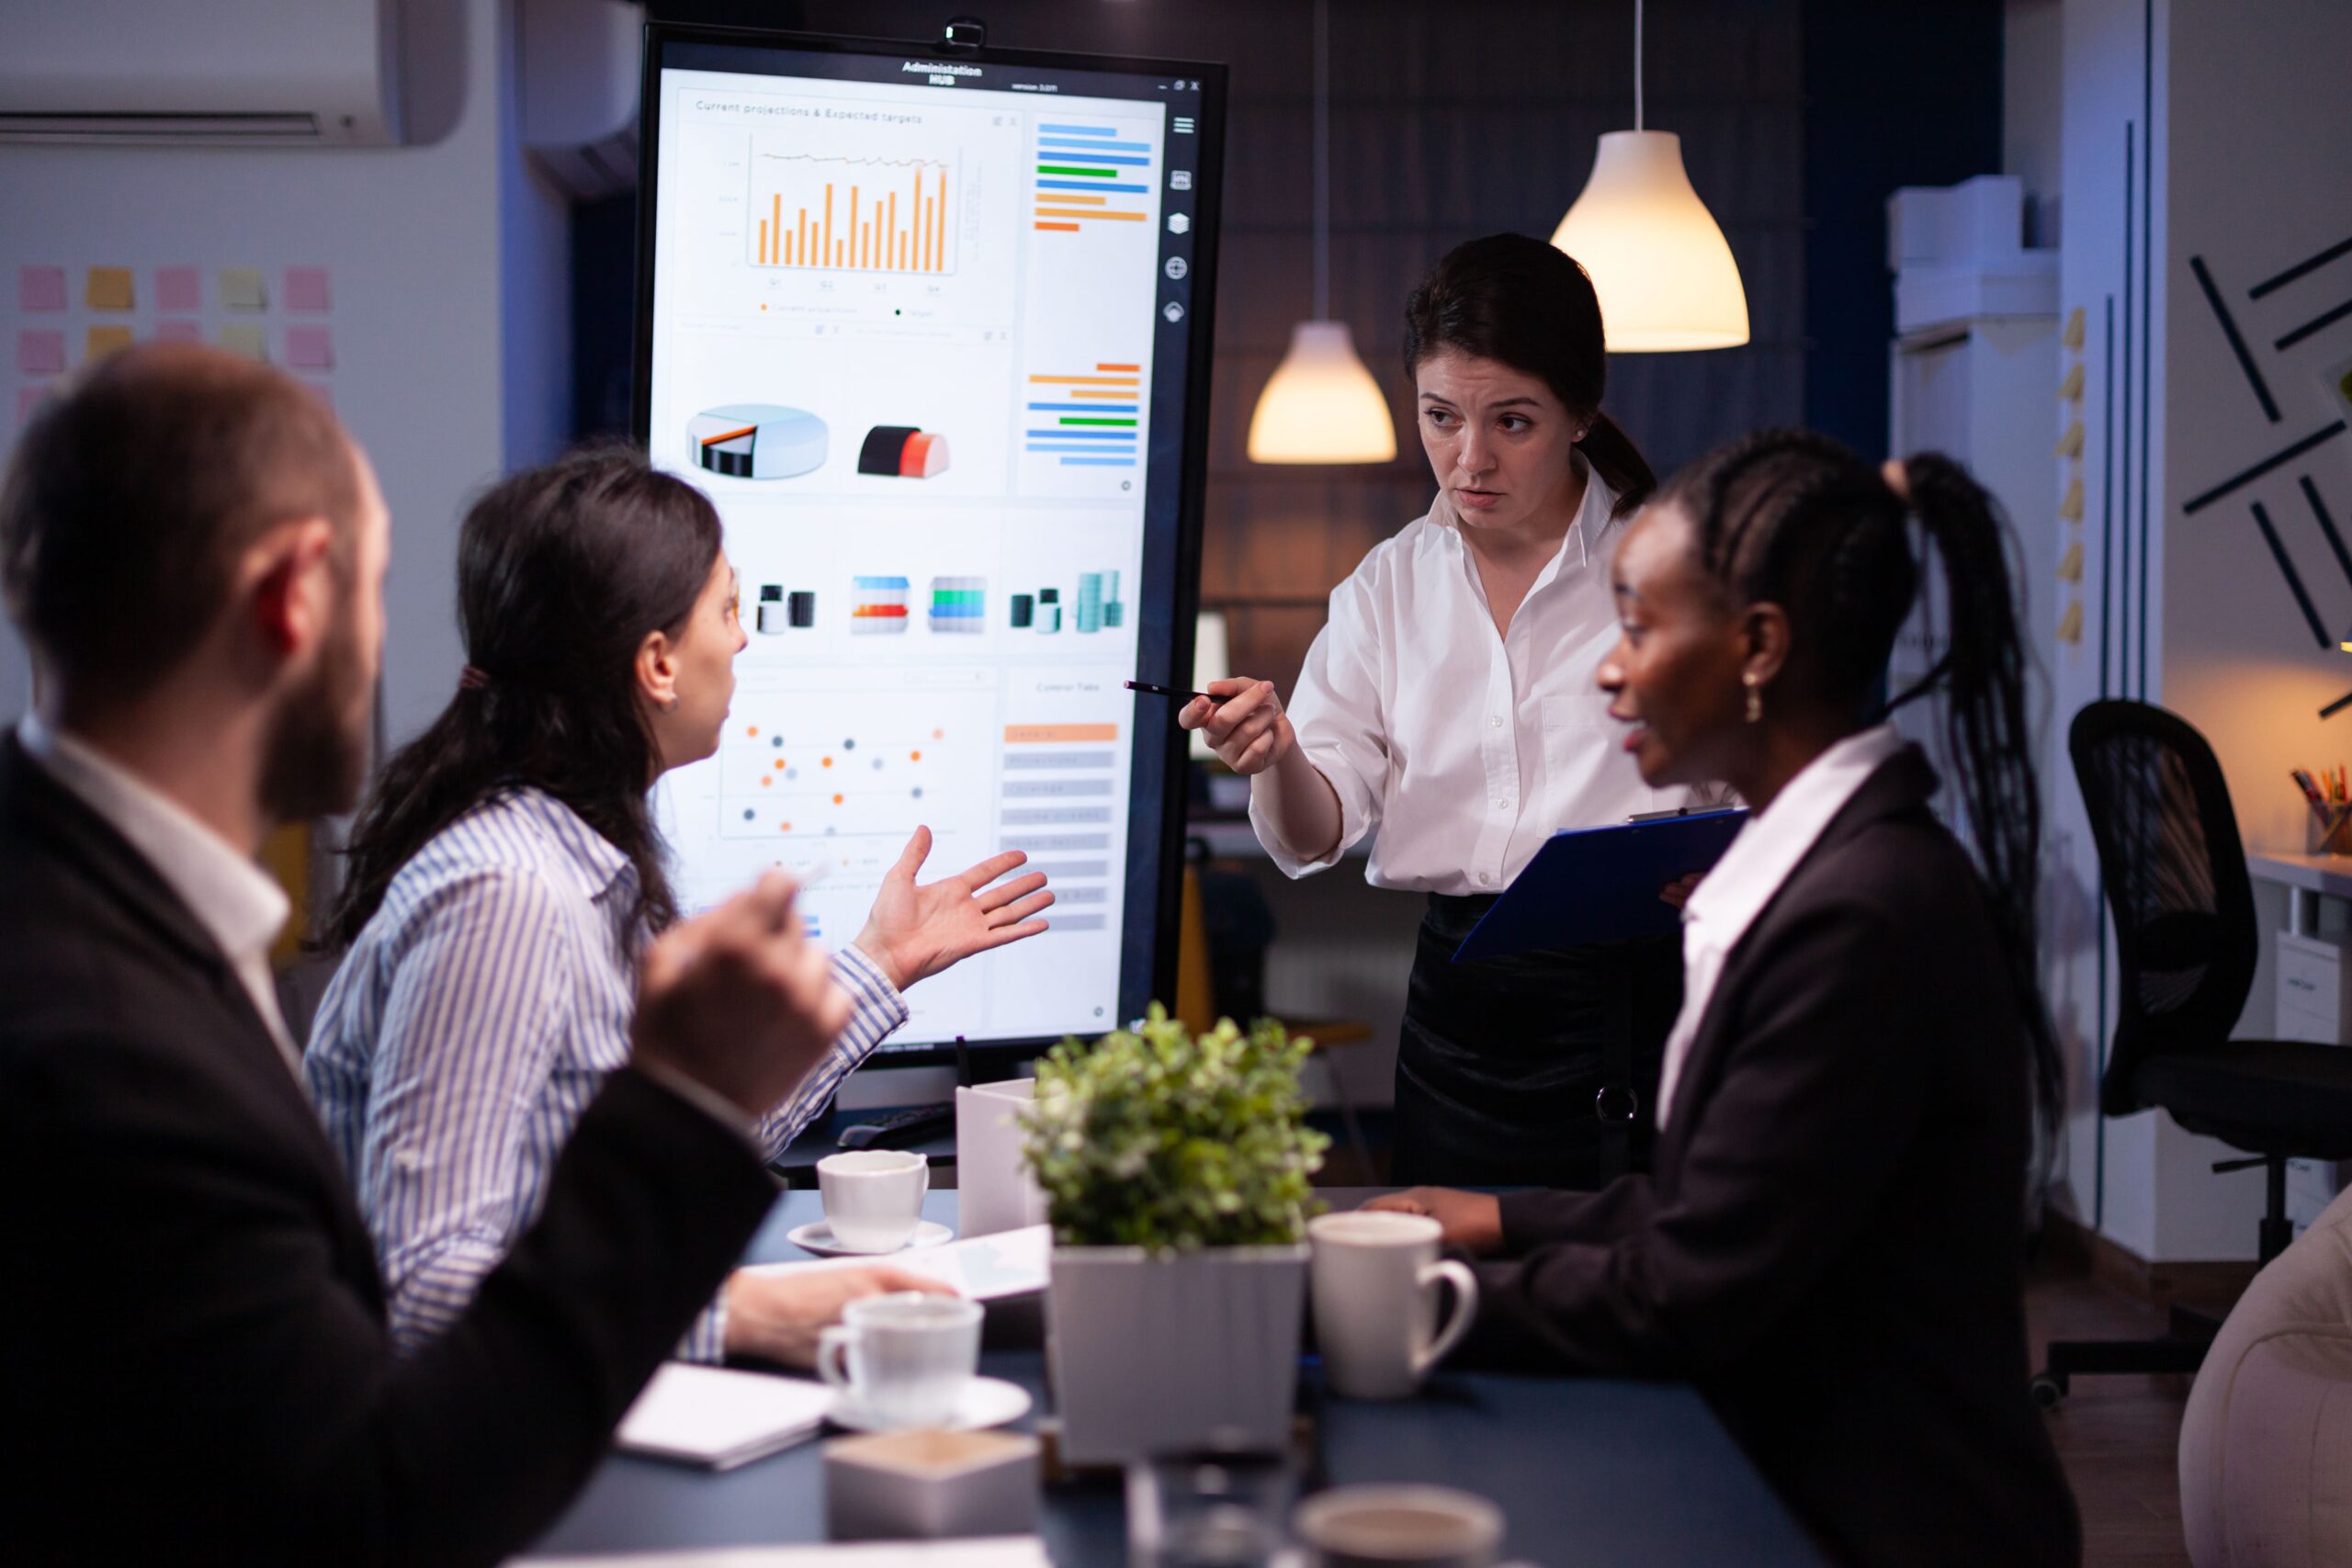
column 2331, row 875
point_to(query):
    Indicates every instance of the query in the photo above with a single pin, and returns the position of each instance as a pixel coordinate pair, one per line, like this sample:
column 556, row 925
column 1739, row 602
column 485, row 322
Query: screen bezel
column 1193, row 472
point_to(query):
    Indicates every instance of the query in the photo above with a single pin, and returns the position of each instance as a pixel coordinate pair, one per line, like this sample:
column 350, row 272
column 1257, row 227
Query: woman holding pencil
column 1449, row 701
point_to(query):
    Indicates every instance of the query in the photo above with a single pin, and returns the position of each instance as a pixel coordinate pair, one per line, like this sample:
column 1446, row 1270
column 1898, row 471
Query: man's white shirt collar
column 233, row 899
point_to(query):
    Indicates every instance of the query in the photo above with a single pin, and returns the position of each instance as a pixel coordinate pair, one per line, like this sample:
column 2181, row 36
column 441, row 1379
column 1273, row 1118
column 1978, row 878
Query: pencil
column 1167, row 691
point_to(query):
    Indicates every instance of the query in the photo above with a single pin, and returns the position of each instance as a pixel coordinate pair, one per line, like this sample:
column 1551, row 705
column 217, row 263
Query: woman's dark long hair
column 1514, row 299
column 1800, row 521
column 562, row 571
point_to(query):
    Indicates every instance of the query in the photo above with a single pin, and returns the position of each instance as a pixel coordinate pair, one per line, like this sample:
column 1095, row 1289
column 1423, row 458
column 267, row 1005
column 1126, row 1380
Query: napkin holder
column 931, row 1485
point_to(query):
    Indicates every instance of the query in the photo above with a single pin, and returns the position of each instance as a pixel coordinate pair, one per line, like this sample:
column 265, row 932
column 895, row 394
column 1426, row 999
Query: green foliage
column 1154, row 1138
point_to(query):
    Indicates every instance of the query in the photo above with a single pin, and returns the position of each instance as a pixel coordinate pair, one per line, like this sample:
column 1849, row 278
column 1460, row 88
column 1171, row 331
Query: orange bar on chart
column 1048, row 734
column 938, row 246
column 763, row 242
column 1131, row 369
column 890, row 228
column 776, row 223
column 1070, row 228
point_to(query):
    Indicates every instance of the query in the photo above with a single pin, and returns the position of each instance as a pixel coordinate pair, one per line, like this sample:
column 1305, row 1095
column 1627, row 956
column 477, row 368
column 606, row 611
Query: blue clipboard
column 1590, row 884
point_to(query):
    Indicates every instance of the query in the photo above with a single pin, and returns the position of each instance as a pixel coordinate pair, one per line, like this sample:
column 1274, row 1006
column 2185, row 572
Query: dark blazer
column 194, row 1362
column 1831, row 1241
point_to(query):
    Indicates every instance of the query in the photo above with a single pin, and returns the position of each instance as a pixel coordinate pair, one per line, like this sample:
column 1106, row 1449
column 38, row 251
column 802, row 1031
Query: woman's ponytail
column 1619, row 463
column 1987, row 744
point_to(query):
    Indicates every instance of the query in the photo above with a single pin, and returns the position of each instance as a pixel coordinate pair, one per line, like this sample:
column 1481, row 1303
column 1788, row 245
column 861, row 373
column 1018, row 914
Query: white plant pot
column 1153, row 1354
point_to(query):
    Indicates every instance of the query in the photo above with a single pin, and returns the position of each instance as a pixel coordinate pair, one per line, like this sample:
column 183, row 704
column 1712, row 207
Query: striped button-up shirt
column 471, row 1024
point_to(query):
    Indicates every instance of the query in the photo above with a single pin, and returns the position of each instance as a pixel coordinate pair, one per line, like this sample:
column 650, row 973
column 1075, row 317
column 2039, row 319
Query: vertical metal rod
column 1322, row 161
column 1637, row 64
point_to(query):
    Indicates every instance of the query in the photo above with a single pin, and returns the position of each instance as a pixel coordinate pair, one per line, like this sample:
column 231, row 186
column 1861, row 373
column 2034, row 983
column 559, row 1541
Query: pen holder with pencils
column 2327, row 831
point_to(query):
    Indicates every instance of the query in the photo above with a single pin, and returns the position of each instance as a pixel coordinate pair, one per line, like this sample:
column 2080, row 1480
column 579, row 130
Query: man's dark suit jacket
column 1830, row 1243
column 194, row 1362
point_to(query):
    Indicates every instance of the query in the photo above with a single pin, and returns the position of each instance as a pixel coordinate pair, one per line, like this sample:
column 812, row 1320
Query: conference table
column 1588, row 1471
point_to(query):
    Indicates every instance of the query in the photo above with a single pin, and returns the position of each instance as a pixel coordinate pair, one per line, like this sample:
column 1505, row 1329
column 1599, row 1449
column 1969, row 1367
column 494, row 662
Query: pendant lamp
column 1665, row 279
column 1322, row 405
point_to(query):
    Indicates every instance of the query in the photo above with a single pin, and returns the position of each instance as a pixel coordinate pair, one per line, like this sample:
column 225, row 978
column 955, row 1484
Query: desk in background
column 1590, row 1471
column 2308, row 986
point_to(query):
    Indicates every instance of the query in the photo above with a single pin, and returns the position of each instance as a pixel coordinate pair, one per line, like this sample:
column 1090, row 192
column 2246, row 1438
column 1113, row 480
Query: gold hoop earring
column 1755, row 700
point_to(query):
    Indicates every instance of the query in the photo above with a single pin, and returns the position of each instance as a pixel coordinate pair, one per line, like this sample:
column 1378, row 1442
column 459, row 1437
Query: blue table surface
column 1590, row 1471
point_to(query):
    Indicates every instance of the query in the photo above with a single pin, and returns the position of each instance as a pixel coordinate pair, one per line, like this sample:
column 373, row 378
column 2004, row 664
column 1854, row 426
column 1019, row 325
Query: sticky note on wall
column 40, row 353
column 246, row 338
column 109, row 288
column 242, row 290
column 309, row 348
column 178, row 289
column 306, row 290
column 103, row 340
column 40, row 288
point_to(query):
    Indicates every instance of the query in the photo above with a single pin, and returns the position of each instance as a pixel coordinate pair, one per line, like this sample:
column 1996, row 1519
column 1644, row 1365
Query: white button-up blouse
column 1466, row 748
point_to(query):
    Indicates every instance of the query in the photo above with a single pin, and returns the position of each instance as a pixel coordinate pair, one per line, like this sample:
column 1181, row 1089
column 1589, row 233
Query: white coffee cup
column 1375, row 1277
column 906, row 1358
column 873, row 1197
column 1398, row 1526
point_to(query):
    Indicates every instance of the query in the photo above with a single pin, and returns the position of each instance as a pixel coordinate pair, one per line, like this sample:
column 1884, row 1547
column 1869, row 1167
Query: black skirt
column 1537, row 1070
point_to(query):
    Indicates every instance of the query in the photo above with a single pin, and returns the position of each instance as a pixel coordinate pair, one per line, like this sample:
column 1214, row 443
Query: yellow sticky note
column 242, row 290
column 2071, row 509
column 2071, row 443
column 246, row 338
column 2071, row 388
column 2072, row 336
column 2070, row 565
column 104, row 341
column 109, row 288
column 2070, row 624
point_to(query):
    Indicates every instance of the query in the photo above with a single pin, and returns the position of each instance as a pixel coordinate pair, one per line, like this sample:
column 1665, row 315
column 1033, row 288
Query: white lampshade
column 1657, row 260
column 1322, row 405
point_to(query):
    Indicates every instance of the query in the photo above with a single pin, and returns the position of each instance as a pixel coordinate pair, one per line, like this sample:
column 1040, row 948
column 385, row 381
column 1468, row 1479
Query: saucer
column 987, row 1402
column 817, row 1236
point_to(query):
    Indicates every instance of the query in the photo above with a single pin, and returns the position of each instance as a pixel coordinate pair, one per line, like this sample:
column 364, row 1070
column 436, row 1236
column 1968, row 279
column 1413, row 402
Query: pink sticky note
column 309, row 348
column 178, row 289
column 27, row 400
column 306, row 290
column 179, row 332
column 40, row 288
column 40, row 353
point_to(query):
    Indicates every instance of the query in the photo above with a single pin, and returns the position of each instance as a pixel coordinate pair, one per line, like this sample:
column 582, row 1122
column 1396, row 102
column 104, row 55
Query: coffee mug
column 1375, row 1277
column 1398, row 1526
column 873, row 1197
column 906, row 1358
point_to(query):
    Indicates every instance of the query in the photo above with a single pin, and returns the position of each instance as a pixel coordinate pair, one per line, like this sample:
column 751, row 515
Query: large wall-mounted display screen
column 931, row 331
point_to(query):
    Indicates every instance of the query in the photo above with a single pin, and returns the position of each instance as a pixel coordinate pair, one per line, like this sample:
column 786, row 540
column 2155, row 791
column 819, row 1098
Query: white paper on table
column 1000, row 1552
column 709, row 1416
column 983, row 1268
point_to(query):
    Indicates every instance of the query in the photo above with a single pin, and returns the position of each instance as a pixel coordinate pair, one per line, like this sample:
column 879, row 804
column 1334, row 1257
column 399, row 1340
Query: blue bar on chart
column 1088, row 420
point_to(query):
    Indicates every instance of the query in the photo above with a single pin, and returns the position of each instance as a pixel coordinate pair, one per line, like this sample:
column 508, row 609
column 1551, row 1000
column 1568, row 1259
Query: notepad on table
column 996, row 1552
column 981, row 1267
column 708, row 1415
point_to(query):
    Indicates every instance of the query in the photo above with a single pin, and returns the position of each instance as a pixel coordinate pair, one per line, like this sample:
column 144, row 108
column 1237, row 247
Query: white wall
column 450, row 297
column 2252, row 132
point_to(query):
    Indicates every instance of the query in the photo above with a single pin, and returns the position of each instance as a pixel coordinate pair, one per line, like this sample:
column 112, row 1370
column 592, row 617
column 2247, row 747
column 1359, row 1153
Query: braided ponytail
column 1986, row 741
column 1798, row 520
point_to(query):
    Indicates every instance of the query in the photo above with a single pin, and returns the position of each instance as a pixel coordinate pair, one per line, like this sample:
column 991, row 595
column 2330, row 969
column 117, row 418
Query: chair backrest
column 2176, row 883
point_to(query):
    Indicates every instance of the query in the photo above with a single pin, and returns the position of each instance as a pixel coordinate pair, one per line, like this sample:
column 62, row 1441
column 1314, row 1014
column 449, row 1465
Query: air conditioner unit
column 239, row 73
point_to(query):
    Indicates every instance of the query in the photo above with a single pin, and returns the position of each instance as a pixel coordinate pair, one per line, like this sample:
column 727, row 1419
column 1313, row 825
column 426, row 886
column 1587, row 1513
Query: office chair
column 2183, row 903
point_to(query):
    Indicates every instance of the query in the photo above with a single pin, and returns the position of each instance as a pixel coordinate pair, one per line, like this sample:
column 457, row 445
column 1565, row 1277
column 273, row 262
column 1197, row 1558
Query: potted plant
column 1176, row 1172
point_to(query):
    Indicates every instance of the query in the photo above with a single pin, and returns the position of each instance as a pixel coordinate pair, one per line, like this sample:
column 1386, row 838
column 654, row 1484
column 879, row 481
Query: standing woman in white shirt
column 1449, row 701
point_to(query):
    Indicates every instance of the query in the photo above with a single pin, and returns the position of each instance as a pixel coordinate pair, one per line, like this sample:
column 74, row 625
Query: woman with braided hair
column 1830, row 1244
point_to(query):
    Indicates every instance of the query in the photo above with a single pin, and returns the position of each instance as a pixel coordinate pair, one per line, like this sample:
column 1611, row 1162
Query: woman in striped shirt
column 507, row 871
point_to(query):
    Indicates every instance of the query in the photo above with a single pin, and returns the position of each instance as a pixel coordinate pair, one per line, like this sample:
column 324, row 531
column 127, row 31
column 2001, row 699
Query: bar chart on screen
column 1088, row 419
column 1092, row 175
column 853, row 214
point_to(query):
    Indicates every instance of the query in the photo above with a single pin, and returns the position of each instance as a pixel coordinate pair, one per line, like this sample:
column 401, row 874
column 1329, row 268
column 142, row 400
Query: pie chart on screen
column 757, row 441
